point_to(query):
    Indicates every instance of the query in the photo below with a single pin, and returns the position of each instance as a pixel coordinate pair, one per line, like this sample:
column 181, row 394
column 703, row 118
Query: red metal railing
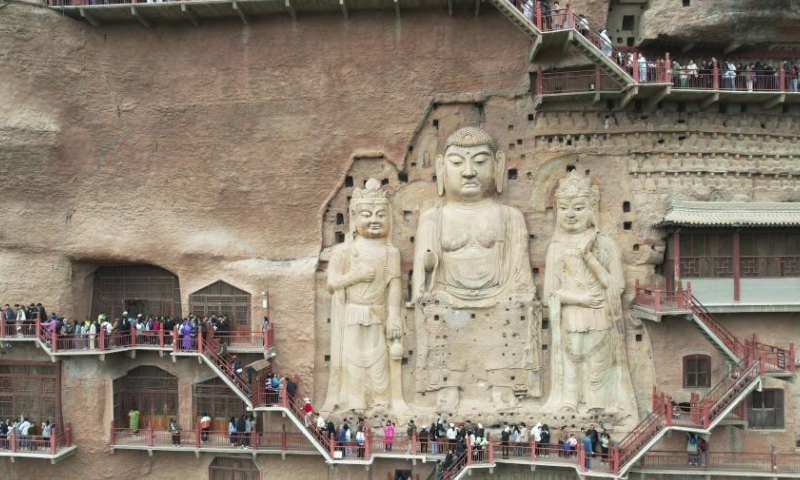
column 255, row 340
column 586, row 80
column 210, row 349
column 712, row 461
column 38, row 444
column 660, row 299
column 11, row 328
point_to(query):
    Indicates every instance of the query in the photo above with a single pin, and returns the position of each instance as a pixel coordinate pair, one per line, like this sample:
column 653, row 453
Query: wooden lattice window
column 217, row 399
column 765, row 409
column 222, row 298
column 697, row 371
column 229, row 468
column 152, row 390
column 30, row 389
column 144, row 289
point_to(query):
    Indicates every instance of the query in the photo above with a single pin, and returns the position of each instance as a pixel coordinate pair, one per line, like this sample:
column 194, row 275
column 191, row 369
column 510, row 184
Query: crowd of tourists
column 27, row 434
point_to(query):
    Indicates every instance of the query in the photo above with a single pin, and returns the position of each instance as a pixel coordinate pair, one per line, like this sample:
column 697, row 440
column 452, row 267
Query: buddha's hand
column 393, row 329
column 588, row 245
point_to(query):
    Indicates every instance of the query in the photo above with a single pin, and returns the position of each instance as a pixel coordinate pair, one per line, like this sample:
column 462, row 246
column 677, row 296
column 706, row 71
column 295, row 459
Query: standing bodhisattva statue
column 477, row 318
column 583, row 285
column 364, row 278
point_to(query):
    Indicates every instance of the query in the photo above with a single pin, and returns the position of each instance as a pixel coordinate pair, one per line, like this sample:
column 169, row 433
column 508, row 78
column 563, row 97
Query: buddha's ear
column 440, row 174
column 499, row 171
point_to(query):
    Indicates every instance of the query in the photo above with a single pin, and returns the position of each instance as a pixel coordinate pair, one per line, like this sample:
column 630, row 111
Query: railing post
column 716, row 74
column 635, row 67
column 705, row 414
column 669, row 410
column 53, row 341
column 581, row 457
column 253, row 438
column 539, row 81
column 197, row 435
column 266, row 338
column 469, row 452
column 101, row 338
column 283, row 437
column 53, row 436
column 161, row 337
column 616, row 460
column 150, row 436
column 792, row 364
column 367, row 443
column 655, row 398
column 113, row 433
column 490, row 448
column 533, row 450
column 332, row 446
column 667, row 68
column 657, row 300
column 782, row 78
column 2, row 324
column 414, row 442
column 175, row 341
column 597, row 78
column 38, row 327
column 284, row 396
column 200, row 344
column 773, row 459
column 133, row 335
column 13, row 440
column 539, row 14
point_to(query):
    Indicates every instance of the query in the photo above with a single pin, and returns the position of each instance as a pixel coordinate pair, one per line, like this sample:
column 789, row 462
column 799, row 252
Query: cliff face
column 721, row 23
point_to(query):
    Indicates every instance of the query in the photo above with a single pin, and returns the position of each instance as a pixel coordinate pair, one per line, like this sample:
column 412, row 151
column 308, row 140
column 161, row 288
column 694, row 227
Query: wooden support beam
column 190, row 15
column 477, row 7
column 450, row 7
column 709, row 100
column 397, row 8
column 344, row 8
column 774, row 101
column 535, row 46
column 291, row 10
column 629, row 95
column 90, row 18
column 653, row 101
column 240, row 11
column 136, row 13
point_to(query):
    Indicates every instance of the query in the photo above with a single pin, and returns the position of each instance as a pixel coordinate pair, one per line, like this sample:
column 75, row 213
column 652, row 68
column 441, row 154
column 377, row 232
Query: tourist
column 524, row 437
column 360, row 440
column 749, row 77
column 729, row 75
column 557, row 21
column 606, row 43
column 186, row 332
column 536, row 435
column 434, row 438
column 515, row 441
column 527, row 10
column 702, row 447
column 46, row 430
column 205, row 427
column 605, row 441
column 691, row 71
column 133, row 420
column 642, row 66
column 545, row 440
column 232, row 435
column 175, row 430
column 505, row 436
column 593, row 436
column 388, row 436
column 547, row 14
column 411, row 433
column 588, row 450
column 24, row 429
column 794, row 78
column 691, row 449
column 424, row 438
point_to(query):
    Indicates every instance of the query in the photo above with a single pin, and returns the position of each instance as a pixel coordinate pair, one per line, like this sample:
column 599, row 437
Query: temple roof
column 732, row 214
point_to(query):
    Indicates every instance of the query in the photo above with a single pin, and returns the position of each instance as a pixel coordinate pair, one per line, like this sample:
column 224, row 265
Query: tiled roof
column 732, row 214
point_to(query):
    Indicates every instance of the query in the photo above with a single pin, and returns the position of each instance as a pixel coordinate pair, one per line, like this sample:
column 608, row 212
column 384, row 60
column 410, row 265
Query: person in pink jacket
column 388, row 436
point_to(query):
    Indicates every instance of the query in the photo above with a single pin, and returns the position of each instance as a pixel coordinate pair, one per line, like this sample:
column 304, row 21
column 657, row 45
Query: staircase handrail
column 295, row 406
column 459, row 464
column 641, row 434
column 594, row 38
column 728, row 338
column 210, row 352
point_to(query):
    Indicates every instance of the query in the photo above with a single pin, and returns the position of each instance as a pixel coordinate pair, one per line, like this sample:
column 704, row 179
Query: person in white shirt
column 24, row 429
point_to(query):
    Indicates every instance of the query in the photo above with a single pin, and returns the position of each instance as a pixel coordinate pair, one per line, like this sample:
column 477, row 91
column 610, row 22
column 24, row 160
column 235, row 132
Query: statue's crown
column 370, row 193
column 575, row 185
column 470, row 137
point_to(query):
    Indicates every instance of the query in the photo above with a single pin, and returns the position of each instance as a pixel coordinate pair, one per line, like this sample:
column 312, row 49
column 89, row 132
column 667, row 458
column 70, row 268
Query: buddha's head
column 577, row 201
column 369, row 211
column 471, row 168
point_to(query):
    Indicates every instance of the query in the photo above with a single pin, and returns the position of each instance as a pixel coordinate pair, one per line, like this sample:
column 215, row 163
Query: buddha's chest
column 475, row 232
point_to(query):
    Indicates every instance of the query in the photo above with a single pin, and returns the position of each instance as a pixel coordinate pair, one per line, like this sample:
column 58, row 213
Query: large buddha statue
column 364, row 278
column 583, row 285
column 472, row 283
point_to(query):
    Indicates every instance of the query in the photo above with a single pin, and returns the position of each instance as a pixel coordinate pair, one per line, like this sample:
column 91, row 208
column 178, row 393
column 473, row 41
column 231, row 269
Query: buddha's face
column 469, row 173
column 574, row 214
column 372, row 220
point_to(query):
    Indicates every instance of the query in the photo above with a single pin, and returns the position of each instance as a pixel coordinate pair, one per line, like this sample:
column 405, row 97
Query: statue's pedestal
column 478, row 355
